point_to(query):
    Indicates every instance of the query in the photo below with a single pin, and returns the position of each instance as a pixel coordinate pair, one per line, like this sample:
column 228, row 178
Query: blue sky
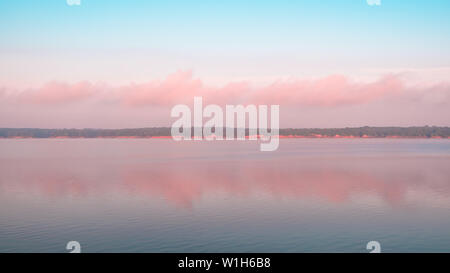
column 135, row 40
column 346, row 26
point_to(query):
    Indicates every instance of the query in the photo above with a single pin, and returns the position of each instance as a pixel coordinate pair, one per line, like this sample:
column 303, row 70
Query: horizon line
column 283, row 128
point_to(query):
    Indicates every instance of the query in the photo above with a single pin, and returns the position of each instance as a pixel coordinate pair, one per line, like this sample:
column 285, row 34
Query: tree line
column 379, row 132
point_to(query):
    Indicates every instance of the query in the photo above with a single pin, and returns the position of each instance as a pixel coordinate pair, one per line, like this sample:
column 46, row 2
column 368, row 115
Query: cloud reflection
column 182, row 183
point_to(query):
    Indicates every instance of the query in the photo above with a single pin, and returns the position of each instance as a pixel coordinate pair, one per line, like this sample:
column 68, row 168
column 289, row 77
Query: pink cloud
column 330, row 101
column 177, row 86
column 333, row 90
column 58, row 93
column 181, row 87
column 438, row 94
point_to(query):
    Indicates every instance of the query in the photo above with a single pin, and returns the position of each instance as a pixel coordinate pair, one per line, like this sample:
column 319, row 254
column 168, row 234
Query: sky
column 116, row 64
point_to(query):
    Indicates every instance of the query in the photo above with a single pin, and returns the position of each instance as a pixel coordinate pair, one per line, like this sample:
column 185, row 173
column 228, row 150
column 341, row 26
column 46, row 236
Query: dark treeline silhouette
column 424, row 131
column 379, row 132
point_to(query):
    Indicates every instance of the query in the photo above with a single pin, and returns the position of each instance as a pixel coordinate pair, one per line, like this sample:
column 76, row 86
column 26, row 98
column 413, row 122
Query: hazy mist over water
column 157, row 195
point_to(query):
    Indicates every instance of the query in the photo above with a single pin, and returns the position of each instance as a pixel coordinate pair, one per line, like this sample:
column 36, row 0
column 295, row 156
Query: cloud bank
column 333, row 92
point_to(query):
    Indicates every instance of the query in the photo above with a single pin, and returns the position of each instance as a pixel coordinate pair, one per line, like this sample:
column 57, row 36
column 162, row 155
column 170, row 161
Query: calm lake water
column 144, row 195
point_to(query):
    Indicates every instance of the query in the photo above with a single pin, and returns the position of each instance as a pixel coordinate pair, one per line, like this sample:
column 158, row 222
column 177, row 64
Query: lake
column 157, row 195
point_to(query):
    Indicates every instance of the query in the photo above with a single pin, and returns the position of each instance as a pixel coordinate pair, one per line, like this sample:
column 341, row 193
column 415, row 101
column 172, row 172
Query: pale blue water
column 143, row 195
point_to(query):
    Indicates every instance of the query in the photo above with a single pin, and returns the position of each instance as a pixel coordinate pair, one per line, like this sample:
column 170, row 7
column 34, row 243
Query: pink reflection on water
column 182, row 182
column 334, row 183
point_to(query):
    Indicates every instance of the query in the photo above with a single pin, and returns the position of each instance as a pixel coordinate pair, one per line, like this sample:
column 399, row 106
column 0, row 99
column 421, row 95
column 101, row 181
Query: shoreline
column 246, row 137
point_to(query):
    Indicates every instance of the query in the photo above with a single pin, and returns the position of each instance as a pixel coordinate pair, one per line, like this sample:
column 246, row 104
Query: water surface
column 156, row 195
